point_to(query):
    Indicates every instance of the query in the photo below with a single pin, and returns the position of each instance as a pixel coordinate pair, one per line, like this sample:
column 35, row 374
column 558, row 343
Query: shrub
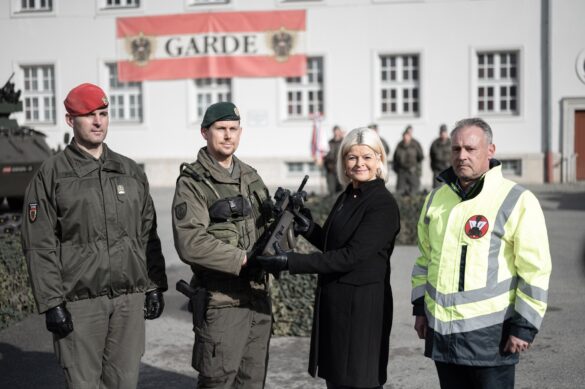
column 16, row 299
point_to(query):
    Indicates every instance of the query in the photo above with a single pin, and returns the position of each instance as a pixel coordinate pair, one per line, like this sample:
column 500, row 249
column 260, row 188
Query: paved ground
column 554, row 361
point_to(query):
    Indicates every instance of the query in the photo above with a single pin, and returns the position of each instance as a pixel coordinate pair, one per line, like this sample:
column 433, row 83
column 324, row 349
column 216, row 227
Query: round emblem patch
column 476, row 226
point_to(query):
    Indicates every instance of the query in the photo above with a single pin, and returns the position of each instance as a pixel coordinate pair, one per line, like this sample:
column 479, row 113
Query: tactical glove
column 58, row 321
column 154, row 303
column 303, row 222
column 276, row 263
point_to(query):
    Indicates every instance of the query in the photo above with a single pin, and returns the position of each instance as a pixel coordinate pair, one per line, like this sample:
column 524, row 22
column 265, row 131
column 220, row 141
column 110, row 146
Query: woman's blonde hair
column 361, row 136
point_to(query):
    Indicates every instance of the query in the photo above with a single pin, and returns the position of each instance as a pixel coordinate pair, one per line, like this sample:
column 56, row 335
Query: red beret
column 85, row 98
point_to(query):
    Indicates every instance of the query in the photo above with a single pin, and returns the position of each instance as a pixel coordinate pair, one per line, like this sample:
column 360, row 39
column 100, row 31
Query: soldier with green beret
column 220, row 208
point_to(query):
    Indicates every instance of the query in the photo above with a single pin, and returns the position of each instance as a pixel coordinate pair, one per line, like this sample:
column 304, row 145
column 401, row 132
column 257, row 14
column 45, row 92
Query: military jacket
column 407, row 158
column 215, row 249
column 440, row 154
column 89, row 229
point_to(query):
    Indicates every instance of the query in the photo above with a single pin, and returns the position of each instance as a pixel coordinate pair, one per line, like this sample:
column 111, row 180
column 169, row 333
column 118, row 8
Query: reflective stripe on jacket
column 483, row 270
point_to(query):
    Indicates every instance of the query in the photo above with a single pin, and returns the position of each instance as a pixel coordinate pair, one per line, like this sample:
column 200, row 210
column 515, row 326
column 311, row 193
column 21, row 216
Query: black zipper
column 462, row 268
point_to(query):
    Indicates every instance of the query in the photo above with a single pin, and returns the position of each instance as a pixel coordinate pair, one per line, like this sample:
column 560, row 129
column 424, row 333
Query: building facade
column 519, row 64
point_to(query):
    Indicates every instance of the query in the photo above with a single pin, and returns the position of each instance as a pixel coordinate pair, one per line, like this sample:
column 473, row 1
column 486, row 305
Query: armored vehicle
column 22, row 149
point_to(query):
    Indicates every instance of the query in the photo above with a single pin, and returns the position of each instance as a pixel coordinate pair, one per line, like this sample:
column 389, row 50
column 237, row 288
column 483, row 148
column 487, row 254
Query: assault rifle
column 281, row 230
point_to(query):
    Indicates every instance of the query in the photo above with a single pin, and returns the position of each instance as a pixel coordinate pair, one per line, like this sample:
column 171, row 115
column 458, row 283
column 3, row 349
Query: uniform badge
column 180, row 210
column 120, row 189
column 33, row 209
column 476, row 226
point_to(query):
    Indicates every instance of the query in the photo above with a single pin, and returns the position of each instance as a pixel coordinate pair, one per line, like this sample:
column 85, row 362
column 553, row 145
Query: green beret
column 220, row 111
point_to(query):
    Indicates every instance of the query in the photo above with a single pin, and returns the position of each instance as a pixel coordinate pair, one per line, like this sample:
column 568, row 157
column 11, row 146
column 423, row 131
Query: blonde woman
column 353, row 301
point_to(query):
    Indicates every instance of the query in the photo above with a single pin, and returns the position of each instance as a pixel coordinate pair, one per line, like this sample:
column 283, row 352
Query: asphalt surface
column 555, row 360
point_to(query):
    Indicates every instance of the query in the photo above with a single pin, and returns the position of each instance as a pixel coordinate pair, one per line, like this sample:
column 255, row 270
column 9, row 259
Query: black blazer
column 353, row 300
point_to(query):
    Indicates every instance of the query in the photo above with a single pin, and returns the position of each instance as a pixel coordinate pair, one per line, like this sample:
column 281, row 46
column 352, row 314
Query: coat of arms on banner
column 140, row 47
column 281, row 42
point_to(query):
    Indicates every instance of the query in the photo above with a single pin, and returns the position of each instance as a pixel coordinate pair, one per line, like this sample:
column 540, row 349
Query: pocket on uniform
column 226, row 232
column 207, row 355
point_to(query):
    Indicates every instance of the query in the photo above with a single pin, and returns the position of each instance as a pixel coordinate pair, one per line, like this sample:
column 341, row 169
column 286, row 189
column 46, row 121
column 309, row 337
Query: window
column 34, row 5
column 125, row 97
column 39, row 93
column 211, row 90
column 511, row 167
column 200, row 2
column 304, row 95
column 497, row 83
column 399, row 85
column 109, row 4
column 301, row 168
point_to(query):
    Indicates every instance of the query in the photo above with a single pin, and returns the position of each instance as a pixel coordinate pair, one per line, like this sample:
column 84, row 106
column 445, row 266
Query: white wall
column 349, row 34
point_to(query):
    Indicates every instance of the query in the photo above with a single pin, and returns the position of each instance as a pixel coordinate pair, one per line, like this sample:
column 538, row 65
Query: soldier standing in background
column 440, row 154
column 374, row 127
column 330, row 161
column 90, row 241
column 407, row 164
column 221, row 208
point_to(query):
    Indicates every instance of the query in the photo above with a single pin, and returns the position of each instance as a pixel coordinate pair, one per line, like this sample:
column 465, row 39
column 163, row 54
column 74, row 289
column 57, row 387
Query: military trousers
column 231, row 346
column 106, row 344
column 407, row 183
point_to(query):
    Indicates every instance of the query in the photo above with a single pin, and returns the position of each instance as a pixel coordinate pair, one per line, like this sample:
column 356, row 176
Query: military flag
column 211, row 45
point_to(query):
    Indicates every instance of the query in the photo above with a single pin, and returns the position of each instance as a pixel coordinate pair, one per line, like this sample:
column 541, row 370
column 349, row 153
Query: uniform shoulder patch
column 180, row 210
column 33, row 209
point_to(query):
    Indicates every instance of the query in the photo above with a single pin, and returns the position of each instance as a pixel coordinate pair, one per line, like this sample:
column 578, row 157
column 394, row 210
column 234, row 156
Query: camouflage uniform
column 231, row 343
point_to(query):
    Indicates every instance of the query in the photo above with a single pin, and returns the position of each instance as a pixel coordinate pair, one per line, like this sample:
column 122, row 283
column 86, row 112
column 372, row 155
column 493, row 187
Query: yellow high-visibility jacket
column 483, row 269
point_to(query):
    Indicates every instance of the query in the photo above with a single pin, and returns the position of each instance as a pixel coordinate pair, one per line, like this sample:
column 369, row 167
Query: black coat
column 353, row 300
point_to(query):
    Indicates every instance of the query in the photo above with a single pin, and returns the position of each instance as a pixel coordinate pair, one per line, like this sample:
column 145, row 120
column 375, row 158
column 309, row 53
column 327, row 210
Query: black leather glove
column 303, row 222
column 58, row 321
column 276, row 263
column 154, row 303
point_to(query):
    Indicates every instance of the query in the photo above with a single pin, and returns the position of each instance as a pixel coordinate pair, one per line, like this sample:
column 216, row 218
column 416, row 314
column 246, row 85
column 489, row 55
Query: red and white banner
column 215, row 45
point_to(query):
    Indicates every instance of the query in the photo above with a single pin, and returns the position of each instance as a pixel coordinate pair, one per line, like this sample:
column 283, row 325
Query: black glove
column 58, row 320
column 276, row 263
column 303, row 222
column 154, row 303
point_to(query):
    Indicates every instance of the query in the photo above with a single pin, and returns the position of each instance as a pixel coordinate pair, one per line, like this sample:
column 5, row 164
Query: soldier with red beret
column 92, row 250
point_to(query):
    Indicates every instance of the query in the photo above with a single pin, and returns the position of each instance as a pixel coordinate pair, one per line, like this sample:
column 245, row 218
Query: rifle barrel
column 305, row 179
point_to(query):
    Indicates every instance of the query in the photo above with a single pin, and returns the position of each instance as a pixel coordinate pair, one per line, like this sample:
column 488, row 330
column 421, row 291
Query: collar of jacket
column 220, row 174
column 364, row 187
column 449, row 177
column 83, row 163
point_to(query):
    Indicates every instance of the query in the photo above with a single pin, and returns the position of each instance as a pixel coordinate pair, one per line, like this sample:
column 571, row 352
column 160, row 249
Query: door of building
column 580, row 144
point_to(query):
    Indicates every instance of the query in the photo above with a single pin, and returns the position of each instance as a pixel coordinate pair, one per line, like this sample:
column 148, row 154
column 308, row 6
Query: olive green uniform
column 89, row 237
column 440, row 158
column 231, row 344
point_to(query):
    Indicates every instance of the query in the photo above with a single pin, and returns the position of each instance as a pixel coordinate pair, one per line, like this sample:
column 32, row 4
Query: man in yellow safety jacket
column 480, row 284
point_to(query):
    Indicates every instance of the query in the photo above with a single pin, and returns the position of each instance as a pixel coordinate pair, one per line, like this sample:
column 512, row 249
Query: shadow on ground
column 32, row 369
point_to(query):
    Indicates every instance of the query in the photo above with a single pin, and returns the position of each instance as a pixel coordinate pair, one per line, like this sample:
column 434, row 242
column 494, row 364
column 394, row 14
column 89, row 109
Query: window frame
column 399, row 84
column 41, row 95
column 310, row 95
column 195, row 110
column 103, row 6
column 497, row 83
column 127, row 93
column 16, row 9
column 200, row 3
